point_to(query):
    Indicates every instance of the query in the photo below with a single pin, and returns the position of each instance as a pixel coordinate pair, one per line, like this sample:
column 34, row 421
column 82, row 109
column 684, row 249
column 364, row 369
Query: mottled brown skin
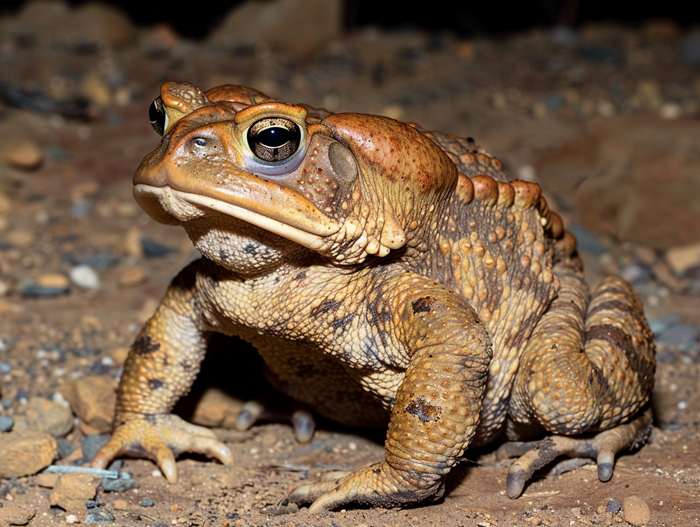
column 385, row 274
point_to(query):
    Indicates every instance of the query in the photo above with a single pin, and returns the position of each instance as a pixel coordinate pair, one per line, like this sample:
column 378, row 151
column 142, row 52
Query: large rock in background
column 633, row 178
column 296, row 24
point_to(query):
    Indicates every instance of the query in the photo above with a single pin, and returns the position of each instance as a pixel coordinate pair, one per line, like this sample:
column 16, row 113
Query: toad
column 388, row 276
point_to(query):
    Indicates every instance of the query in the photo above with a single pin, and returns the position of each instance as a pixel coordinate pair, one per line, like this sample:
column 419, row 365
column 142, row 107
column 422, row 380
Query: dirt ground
column 76, row 207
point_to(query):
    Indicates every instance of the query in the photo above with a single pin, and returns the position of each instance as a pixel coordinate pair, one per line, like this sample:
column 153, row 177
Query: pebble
column 147, row 503
column 65, row 448
column 216, row 408
column 121, row 484
column 636, row 511
column 49, row 284
column 25, row 452
column 47, row 416
column 120, row 505
column 92, row 443
column 85, row 277
column 92, row 399
column 72, row 491
column 46, row 480
column 680, row 259
column 100, row 516
column 15, row 515
column 154, row 249
column 20, row 152
column 614, row 506
column 6, row 423
column 21, row 238
column 131, row 276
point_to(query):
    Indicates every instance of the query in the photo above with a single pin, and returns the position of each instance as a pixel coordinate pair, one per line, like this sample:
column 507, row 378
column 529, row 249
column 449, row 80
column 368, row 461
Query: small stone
column 154, row 249
column 92, row 443
column 72, row 518
column 680, row 259
column 120, row 505
column 6, row 423
column 131, row 276
column 92, row 399
column 216, row 408
column 670, row 110
column 5, row 203
column 86, row 277
column 48, row 284
column 14, row 515
column 21, row 238
column 146, row 503
column 46, row 416
column 100, row 516
column 132, row 242
column 119, row 485
column 72, row 491
column 614, row 506
column 25, row 452
column 636, row 511
column 46, row 480
column 20, row 152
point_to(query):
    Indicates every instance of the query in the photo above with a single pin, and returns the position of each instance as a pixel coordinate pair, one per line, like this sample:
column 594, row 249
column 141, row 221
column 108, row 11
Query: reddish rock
column 633, row 178
column 25, row 452
column 92, row 399
column 71, row 491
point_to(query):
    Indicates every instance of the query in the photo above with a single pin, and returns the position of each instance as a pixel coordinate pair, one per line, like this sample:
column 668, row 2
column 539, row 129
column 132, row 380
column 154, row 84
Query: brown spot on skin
column 145, row 346
column 422, row 305
column 423, row 410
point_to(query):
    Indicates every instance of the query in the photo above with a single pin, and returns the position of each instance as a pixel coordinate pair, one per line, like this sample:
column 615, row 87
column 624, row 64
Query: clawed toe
column 261, row 410
column 602, row 446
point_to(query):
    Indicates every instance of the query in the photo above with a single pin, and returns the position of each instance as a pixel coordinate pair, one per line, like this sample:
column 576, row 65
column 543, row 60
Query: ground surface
column 522, row 97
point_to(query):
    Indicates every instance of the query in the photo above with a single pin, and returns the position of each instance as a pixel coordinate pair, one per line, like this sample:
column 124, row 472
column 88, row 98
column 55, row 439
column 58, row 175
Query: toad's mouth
column 290, row 216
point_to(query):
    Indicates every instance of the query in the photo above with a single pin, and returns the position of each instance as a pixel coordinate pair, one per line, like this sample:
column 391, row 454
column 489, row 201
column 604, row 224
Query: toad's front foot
column 378, row 485
column 602, row 446
column 160, row 438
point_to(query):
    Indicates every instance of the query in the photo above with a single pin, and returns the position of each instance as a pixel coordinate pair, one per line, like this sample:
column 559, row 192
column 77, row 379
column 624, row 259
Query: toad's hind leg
column 587, row 368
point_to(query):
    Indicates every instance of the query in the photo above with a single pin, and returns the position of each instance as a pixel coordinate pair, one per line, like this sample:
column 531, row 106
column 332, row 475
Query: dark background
column 466, row 18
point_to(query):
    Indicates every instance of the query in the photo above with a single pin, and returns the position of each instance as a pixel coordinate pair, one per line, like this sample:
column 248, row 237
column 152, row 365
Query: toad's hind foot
column 160, row 438
column 603, row 446
column 378, row 485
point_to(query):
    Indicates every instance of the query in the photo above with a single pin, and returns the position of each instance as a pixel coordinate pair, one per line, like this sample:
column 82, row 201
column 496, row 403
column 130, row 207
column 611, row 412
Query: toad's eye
column 158, row 117
column 274, row 138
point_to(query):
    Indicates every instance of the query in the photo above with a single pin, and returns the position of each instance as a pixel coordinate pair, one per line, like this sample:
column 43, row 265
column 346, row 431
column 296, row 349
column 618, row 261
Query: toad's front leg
column 437, row 407
column 161, row 368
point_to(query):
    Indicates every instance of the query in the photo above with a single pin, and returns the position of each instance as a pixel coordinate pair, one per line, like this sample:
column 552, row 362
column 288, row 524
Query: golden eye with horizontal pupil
column 158, row 117
column 274, row 138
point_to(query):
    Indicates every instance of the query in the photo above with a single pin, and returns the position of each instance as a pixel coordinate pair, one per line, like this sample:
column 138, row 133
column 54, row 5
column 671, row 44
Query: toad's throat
column 168, row 205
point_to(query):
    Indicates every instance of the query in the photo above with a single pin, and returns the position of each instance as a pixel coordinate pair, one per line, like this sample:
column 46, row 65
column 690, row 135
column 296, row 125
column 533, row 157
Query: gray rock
column 684, row 336
column 614, row 506
column 6, row 423
column 690, row 49
column 100, row 516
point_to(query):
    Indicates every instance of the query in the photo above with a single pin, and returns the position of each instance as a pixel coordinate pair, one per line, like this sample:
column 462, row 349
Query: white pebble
column 72, row 518
column 682, row 405
column 670, row 110
column 85, row 276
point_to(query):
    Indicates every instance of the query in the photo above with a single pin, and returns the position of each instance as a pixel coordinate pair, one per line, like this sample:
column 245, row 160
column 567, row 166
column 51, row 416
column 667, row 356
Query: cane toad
column 386, row 275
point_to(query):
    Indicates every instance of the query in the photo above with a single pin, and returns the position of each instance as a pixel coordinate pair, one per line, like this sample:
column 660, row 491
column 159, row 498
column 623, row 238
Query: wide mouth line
column 292, row 232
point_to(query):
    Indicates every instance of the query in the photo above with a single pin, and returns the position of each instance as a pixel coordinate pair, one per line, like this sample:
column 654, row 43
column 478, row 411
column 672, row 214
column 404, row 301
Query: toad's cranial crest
column 388, row 276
